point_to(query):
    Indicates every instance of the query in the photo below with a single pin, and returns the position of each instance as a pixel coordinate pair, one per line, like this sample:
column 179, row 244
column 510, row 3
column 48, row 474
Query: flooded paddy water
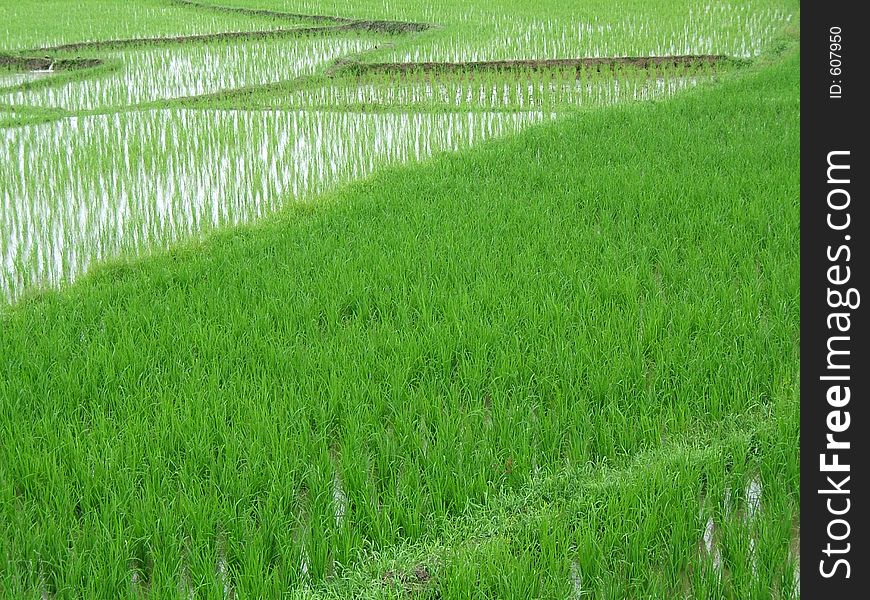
column 9, row 80
column 160, row 73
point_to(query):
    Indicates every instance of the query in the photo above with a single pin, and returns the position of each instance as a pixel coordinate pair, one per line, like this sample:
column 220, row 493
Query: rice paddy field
column 399, row 299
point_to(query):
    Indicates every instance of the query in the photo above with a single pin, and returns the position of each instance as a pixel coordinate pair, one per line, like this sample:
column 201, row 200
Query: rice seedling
column 549, row 90
column 507, row 37
column 10, row 80
column 509, row 29
column 160, row 73
column 47, row 23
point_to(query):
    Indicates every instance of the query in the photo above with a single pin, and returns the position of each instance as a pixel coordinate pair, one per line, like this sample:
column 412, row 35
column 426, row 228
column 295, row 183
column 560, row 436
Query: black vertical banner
column 834, row 363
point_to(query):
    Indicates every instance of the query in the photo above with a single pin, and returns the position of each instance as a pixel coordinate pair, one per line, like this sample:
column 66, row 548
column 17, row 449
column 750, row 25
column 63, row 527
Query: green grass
column 543, row 358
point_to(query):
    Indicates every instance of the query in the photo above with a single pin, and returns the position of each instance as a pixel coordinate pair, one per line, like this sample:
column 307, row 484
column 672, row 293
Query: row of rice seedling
column 690, row 519
column 507, row 96
column 550, row 90
column 564, row 535
column 726, row 29
column 30, row 114
column 10, row 80
column 159, row 73
column 46, row 23
column 506, row 29
column 89, row 188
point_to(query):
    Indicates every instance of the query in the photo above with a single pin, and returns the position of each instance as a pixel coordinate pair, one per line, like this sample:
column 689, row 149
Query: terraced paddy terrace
column 388, row 299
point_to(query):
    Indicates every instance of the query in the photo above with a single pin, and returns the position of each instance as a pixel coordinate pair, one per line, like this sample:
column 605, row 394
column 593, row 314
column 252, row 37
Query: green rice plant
column 126, row 183
column 15, row 79
column 547, row 90
column 147, row 75
column 541, row 354
column 48, row 23
column 248, row 351
column 508, row 29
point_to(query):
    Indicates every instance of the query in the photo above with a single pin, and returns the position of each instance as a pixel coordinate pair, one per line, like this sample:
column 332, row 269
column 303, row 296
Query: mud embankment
column 33, row 63
column 579, row 64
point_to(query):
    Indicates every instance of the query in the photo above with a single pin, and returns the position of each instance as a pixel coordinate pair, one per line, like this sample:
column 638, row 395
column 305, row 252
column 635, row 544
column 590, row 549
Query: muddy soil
column 599, row 64
column 32, row 63
column 262, row 12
